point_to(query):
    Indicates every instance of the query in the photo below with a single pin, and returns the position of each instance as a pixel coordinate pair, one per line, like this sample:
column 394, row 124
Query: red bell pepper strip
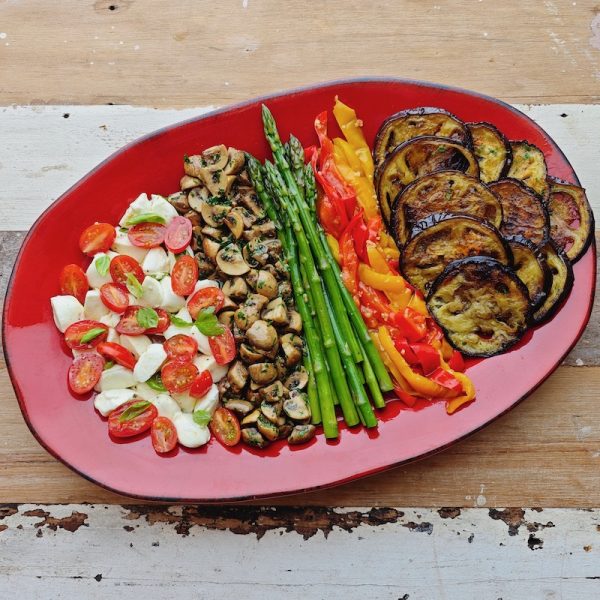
column 457, row 362
column 411, row 324
column 428, row 357
column 358, row 230
column 446, row 380
column 349, row 262
column 406, row 398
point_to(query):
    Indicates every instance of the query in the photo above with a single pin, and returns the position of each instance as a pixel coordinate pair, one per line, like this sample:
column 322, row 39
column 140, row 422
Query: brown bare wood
column 180, row 54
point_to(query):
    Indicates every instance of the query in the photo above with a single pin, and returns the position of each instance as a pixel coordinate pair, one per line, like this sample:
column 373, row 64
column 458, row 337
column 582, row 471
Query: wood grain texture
column 46, row 149
column 170, row 54
column 93, row 552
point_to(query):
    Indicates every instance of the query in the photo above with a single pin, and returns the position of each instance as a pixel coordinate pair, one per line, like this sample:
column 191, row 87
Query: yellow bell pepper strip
column 387, row 361
column 379, row 281
column 345, row 153
column 334, row 246
column 467, row 396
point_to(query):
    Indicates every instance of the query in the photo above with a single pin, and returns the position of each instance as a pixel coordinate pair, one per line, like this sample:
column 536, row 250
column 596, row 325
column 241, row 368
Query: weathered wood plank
column 82, row 551
column 45, row 150
column 164, row 54
column 546, row 452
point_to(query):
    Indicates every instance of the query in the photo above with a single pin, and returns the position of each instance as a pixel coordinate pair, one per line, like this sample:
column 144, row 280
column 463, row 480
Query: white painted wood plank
column 43, row 153
column 419, row 554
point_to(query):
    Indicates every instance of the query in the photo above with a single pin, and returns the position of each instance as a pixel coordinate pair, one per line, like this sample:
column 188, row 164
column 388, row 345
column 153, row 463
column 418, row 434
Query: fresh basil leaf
column 155, row 382
column 92, row 334
column 208, row 324
column 134, row 286
column 145, row 218
column 108, row 364
column 102, row 263
column 178, row 322
column 201, row 417
column 147, row 317
column 133, row 411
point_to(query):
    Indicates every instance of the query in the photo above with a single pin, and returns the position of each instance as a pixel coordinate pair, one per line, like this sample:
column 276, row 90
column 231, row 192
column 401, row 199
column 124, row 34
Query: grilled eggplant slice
column 444, row 239
column 523, row 211
column 531, row 268
column 417, row 157
column 408, row 124
column 562, row 282
column 442, row 192
column 529, row 165
column 571, row 218
column 481, row 305
column 491, row 149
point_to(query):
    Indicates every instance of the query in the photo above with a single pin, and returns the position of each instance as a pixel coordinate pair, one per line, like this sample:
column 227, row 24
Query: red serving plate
column 71, row 430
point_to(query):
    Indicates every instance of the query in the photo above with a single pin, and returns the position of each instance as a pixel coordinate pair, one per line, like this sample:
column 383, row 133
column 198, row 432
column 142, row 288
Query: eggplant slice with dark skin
column 441, row 239
column 416, row 122
column 529, row 166
column 442, row 192
column 491, row 149
column 418, row 157
column 481, row 305
column 561, row 271
column 531, row 268
column 571, row 218
column 523, row 211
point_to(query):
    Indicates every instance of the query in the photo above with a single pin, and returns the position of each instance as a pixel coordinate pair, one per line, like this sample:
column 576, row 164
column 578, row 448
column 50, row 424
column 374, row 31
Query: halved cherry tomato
column 84, row 372
column 177, row 376
column 201, row 385
column 179, row 234
column 223, row 347
column 98, row 237
column 117, row 353
column 184, row 275
column 225, row 427
column 129, row 324
column 163, row 322
column 73, row 282
column 75, row 333
column 115, row 296
column 147, row 235
column 130, row 427
column 163, row 434
column 122, row 265
column 181, row 347
column 210, row 296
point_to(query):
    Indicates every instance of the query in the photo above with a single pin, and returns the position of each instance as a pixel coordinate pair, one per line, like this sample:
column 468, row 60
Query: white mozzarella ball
column 202, row 340
column 203, row 284
column 140, row 205
column 185, row 401
column 205, row 362
column 171, row 301
column 156, row 261
column 166, row 406
column 136, row 344
column 209, row 401
column 161, row 206
column 113, row 336
column 122, row 245
column 66, row 310
column 189, row 433
column 149, row 362
column 111, row 319
column 93, row 307
column 152, row 293
column 106, row 402
column 145, row 392
column 115, row 378
column 93, row 276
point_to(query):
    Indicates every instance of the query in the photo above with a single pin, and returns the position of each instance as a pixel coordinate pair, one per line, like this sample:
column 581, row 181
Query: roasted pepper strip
column 385, row 283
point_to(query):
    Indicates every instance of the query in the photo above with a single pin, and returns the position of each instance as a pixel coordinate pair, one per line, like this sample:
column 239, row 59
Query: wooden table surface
column 80, row 79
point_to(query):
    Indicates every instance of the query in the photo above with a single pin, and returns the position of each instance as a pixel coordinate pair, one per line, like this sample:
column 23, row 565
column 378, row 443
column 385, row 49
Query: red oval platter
column 70, row 429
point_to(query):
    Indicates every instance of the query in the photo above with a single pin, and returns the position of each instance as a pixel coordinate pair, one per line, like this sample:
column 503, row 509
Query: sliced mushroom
column 291, row 345
column 213, row 213
column 192, row 165
column 229, row 304
column 302, row 434
column 210, row 248
column 273, row 393
column 235, row 288
column 296, row 407
column 284, row 429
column 226, row 317
column 236, row 163
column 237, row 376
column 217, row 182
column 255, row 387
column 285, row 290
column 215, row 158
column 257, row 251
column 281, row 366
column 238, row 406
column 271, row 410
column 294, row 322
column 263, row 373
column 205, row 266
column 223, row 387
column 247, row 197
column 238, row 334
column 197, row 197
column 212, row 232
column 281, row 268
column 249, row 311
column 252, row 437
column 187, row 183
column 234, row 221
column 250, row 419
column 244, row 179
column 276, row 312
column 262, row 335
column 297, row 380
column 266, row 428
column 248, row 219
column 266, row 284
column 179, row 201
column 231, row 261
column 249, row 354
column 253, row 395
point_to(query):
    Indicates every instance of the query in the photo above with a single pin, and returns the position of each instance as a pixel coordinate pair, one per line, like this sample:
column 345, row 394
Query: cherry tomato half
column 184, row 275
column 210, row 296
column 76, row 332
column 225, row 427
column 178, row 235
column 117, row 353
column 115, row 297
column 98, row 237
column 178, row 376
column 73, row 282
column 122, row 265
column 129, row 324
column 163, row 434
column 84, row 372
column 223, row 347
column 147, row 235
column 181, row 347
column 201, row 385
column 137, row 424
column 163, row 322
